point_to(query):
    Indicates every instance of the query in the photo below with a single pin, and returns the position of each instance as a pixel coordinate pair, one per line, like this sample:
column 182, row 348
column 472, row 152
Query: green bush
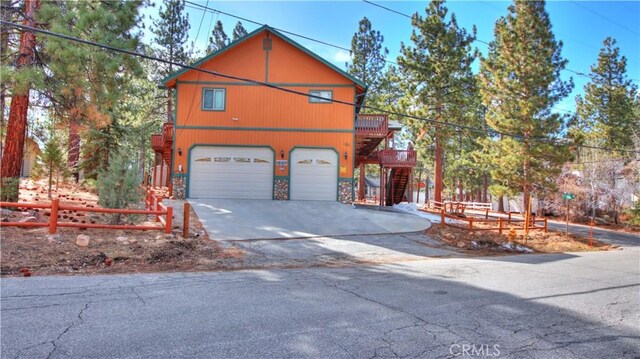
column 119, row 184
column 9, row 189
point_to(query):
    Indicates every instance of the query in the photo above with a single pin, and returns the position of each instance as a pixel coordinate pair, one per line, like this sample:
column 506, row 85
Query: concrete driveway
column 240, row 219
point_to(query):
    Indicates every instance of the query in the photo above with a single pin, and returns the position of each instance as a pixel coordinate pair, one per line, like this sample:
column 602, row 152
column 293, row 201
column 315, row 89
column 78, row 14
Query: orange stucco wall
column 259, row 116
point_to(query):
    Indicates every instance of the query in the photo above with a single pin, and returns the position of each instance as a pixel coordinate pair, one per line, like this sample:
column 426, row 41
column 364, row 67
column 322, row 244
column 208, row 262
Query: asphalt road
column 534, row 306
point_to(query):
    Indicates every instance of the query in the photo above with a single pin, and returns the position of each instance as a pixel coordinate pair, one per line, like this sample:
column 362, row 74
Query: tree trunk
column 73, row 148
column 485, row 182
column 13, row 151
column 460, row 190
column 50, row 178
column 438, row 184
column 501, row 204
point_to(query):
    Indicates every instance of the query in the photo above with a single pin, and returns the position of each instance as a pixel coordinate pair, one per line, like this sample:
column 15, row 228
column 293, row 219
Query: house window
column 325, row 94
column 214, row 99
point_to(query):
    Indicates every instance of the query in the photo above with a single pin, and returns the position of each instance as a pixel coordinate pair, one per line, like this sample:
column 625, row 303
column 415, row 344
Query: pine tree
column 218, row 39
column 368, row 58
column 239, row 31
column 438, row 69
column 50, row 163
column 605, row 115
column 171, row 32
column 119, row 185
column 13, row 150
column 520, row 83
column 86, row 85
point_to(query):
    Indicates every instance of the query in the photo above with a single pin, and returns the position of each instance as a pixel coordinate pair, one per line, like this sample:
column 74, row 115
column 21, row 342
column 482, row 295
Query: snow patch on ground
column 413, row 208
column 517, row 248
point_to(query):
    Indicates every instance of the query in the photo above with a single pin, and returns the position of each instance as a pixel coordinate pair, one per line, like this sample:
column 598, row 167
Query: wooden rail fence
column 500, row 223
column 153, row 203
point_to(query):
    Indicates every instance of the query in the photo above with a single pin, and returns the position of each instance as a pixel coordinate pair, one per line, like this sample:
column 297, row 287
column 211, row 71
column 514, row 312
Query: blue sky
column 581, row 25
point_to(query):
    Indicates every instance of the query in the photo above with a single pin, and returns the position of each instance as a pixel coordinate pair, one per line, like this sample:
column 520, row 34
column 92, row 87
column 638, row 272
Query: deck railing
column 397, row 158
column 167, row 132
column 372, row 125
column 157, row 143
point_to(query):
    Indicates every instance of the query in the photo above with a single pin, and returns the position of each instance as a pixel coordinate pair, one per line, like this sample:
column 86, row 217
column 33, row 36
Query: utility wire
column 604, row 17
column 217, row 11
column 485, row 42
column 286, row 90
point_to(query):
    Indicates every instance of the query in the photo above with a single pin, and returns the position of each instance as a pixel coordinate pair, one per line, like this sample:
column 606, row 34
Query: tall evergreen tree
column 219, row 38
column 171, row 32
column 239, row 31
column 605, row 115
column 438, row 67
column 520, row 84
column 368, row 58
column 13, row 150
column 86, row 85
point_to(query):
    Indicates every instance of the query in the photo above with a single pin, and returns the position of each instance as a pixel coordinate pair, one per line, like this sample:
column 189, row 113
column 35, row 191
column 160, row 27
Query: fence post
column 442, row 218
column 185, row 220
column 526, row 223
column 169, row 221
column 53, row 218
column 470, row 223
column 591, row 233
column 509, row 221
column 500, row 225
column 486, row 213
column 545, row 225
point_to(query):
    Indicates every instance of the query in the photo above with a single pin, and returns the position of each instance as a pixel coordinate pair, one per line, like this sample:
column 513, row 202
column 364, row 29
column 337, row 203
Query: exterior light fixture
column 281, row 153
column 179, row 151
column 345, row 155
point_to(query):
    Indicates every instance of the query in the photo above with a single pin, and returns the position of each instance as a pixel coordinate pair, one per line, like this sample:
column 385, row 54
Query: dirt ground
column 492, row 243
column 33, row 251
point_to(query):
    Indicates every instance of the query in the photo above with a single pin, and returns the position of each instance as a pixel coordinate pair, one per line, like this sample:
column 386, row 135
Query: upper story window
column 325, row 94
column 214, row 99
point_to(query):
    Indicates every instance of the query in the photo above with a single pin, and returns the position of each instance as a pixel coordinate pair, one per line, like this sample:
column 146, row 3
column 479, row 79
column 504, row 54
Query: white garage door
column 231, row 172
column 314, row 174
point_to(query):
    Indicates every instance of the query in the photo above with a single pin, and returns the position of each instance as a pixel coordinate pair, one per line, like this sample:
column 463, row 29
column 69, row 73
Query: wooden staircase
column 397, row 186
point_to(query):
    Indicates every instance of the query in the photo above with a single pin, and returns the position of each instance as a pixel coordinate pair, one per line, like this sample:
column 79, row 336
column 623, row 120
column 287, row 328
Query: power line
column 294, row 92
column 209, row 9
column 478, row 40
column 604, row 17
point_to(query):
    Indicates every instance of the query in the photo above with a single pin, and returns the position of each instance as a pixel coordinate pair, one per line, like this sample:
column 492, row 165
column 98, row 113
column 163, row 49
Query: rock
column 121, row 238
column 82, row 240
column 126, row 243
column 28, row 220
column 461, row 244
column 133, row 241
column 4, row 219
column 54, row 238
column 601, row 221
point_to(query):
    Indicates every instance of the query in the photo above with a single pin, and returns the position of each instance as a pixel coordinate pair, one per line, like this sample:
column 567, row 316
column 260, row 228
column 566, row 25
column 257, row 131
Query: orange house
column 284, row 136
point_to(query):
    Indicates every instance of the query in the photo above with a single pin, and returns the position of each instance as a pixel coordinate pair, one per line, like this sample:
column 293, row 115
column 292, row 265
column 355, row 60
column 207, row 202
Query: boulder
column 82, row 240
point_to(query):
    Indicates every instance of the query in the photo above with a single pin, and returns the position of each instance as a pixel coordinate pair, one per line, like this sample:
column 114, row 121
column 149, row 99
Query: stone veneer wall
column 179, row 187
column 281, row 189
column 345, row 191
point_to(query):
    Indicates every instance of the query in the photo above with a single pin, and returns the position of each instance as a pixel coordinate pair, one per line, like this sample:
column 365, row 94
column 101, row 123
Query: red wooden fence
column 154, row 206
